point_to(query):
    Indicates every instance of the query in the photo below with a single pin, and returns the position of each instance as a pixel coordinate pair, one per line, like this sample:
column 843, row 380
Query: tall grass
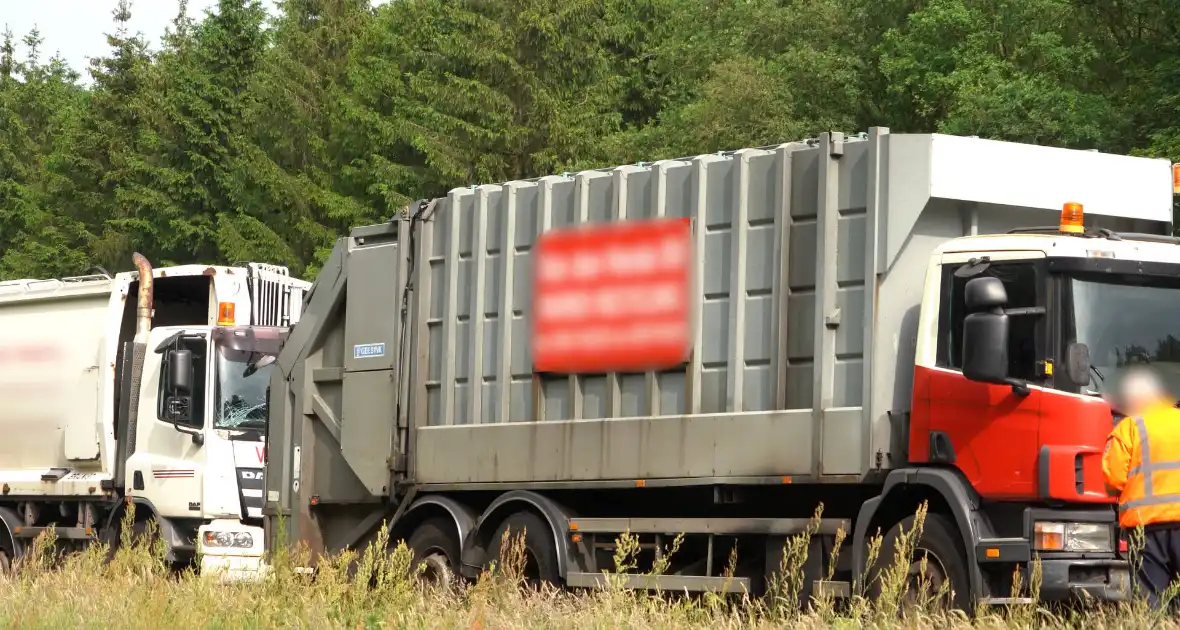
column 134, row 588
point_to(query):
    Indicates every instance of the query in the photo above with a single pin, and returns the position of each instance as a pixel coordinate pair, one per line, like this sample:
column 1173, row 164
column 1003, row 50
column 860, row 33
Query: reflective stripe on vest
column 1146, row 468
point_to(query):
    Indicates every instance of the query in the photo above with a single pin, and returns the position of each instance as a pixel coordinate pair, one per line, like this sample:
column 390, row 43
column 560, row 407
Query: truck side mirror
column 985, row 332
column 180, row 371
column 1077, row 364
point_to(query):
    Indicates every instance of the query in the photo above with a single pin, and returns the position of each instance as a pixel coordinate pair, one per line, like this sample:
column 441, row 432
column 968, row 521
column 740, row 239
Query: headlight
column 240, row 540
column 1076, row 537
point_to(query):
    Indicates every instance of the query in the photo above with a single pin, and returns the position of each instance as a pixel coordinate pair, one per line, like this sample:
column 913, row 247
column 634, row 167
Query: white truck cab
column 204, row 453
column 152, row 395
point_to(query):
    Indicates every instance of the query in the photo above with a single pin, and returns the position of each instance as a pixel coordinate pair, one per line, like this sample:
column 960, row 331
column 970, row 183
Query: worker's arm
column 1116, row 460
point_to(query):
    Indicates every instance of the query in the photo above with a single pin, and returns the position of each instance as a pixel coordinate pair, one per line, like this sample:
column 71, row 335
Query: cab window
column 1021, row 279
column 184, row 408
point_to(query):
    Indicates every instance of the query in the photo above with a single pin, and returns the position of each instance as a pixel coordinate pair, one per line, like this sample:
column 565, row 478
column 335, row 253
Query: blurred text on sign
column 613, row 297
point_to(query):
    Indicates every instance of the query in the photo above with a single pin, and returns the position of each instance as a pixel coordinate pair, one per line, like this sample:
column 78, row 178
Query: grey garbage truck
column 715, row 346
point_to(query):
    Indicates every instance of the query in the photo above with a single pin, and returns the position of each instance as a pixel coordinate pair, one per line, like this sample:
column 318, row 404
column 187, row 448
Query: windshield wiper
column 1101, row 378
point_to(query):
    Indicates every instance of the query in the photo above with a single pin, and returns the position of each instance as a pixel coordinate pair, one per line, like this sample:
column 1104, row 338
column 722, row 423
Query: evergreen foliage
column 249, row 136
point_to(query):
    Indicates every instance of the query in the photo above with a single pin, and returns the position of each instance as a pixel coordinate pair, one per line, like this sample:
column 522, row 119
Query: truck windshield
column 241, row 390
column 1126, row 322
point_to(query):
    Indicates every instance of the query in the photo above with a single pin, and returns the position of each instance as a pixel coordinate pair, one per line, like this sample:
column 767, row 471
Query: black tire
column 7, row 556
column 435, row 544
column 945, row 562
column 539, row 546
column 143, row 533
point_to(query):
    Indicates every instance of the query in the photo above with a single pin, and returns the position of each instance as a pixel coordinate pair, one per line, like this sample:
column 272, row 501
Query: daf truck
column 716, row 346
column 146, row 388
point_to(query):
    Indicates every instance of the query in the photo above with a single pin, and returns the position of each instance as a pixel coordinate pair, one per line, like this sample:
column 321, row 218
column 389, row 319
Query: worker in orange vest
column 1142, row 468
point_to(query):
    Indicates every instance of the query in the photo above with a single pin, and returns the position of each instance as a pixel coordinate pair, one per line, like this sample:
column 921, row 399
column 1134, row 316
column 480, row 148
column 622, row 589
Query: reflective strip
column 1156, row 468
column 1146, row 468
column 1151, row 501
column 1144, row 455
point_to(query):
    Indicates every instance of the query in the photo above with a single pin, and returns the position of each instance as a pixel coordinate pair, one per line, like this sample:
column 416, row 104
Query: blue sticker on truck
column 368, row 350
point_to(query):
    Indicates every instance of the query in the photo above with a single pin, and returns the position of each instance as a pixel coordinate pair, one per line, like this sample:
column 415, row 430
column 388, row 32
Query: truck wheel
column 944, row 565
column 435, row 547
column 540, row 551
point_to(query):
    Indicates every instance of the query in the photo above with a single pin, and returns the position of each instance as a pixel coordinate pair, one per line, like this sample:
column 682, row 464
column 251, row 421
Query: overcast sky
column 77, row 29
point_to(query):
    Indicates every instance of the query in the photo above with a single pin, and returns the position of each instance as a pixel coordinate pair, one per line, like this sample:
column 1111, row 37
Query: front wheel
column 943, row 583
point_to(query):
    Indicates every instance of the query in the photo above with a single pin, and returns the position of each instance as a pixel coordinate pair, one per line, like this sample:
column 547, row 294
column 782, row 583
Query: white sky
column 76, row 29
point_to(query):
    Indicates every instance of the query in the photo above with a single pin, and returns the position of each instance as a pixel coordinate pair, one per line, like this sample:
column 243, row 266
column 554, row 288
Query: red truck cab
column 1027, row 333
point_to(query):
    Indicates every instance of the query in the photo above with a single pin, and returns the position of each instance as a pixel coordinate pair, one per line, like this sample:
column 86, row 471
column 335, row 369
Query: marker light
column 225, row 313
column 1071, row 218
column 1176, row 179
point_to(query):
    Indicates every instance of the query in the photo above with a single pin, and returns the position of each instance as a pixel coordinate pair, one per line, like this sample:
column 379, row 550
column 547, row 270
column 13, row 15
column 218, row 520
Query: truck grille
column 250, row 489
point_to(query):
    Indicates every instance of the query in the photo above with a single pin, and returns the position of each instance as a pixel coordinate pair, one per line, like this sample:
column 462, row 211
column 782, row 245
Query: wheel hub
column 925, row 586
column 437, row 569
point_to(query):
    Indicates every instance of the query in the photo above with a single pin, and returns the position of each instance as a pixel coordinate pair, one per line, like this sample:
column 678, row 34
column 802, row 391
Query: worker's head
column 1139, row 389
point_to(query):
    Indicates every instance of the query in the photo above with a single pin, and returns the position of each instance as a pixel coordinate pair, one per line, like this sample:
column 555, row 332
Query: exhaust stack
column 144, row 301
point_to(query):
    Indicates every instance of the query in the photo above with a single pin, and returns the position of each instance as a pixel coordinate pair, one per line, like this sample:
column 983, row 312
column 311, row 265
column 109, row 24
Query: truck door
column 987, row 431
column 168, row 464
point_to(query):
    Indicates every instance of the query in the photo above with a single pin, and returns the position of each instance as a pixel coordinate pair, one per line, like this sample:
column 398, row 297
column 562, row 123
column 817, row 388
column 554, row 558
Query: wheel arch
column 168, row 531
column 431, row 506
column 557, row 516
column 946, row 491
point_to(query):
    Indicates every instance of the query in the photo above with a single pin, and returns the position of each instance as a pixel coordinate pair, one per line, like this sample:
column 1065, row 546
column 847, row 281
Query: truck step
column 831, row 588
column 1006, row 601
column 680, row 583
column 64, row 533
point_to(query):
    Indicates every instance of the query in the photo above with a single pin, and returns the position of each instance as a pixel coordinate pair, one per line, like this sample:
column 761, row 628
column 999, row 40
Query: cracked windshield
column 241, row 389
column 1126, row 325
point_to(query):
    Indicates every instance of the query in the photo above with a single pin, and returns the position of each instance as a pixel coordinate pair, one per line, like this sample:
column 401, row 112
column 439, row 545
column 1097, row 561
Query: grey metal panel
column 842, row 450
column 372, row 320
column 703, row 445
column 367, row 424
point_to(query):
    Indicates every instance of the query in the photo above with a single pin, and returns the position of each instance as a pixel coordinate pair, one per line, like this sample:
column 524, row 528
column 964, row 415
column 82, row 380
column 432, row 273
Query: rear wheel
column 436, row 551
column 540, row 549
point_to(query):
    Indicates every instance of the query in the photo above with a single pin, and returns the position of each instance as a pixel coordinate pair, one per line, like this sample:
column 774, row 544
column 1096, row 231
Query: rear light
column 1176, row 179
column 225, row 314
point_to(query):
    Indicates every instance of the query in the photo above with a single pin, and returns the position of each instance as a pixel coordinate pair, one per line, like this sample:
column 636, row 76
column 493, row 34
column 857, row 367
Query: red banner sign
column 613, row 297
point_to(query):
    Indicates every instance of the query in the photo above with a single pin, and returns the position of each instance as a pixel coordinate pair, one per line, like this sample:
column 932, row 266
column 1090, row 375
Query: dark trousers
column 1159, row 560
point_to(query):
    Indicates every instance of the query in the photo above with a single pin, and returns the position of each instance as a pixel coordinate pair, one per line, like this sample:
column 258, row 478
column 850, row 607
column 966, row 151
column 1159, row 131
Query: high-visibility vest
column 1152, row 492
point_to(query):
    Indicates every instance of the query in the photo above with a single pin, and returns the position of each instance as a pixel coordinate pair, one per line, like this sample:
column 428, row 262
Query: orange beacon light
column 1071, row 218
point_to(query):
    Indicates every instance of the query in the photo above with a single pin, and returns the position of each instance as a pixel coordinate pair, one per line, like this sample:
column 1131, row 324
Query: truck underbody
column 733, row 537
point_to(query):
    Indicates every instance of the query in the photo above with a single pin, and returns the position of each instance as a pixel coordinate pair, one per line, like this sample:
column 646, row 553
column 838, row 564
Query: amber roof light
column 1071, row 218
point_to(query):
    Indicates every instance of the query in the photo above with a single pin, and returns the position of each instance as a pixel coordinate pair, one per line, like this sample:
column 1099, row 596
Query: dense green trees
column 249, row 136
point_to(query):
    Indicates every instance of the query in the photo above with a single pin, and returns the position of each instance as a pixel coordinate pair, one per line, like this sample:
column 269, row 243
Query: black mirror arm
column 1019, row 387
column 197, row 435
column 169, row 342
column 1025, row 311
